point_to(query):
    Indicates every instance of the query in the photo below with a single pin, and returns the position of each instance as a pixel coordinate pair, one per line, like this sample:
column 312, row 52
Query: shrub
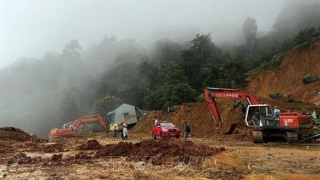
column 309, row 79
column 289, row 99
column 276, row 95
column 279, row 96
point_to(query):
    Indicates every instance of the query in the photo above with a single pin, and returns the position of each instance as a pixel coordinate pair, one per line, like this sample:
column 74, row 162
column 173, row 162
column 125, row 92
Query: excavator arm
column 91, row 118
column 211, row 93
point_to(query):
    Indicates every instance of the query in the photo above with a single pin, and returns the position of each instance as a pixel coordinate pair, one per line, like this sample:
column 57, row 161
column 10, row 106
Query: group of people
column 72, row 127
column 124, row 133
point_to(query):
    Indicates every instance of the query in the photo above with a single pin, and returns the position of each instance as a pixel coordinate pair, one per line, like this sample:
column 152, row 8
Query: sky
column 30, row 28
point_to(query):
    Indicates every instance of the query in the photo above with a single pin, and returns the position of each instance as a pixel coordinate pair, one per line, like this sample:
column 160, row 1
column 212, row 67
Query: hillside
column 286, row 79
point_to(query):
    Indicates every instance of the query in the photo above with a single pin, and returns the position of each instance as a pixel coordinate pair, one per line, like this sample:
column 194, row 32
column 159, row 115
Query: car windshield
column 167, row 125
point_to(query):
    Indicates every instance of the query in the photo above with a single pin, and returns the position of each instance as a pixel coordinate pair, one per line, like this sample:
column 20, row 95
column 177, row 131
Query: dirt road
column 96, row 157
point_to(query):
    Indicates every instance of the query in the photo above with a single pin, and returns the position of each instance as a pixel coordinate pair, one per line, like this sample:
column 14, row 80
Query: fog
column 32, row 28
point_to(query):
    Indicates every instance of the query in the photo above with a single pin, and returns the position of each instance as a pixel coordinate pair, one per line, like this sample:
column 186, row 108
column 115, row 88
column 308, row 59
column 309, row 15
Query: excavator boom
column 211, row 93
column 91, row 118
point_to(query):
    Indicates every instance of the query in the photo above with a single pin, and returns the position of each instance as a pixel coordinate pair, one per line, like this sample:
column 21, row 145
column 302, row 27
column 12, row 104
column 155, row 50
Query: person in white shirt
column 156, row 122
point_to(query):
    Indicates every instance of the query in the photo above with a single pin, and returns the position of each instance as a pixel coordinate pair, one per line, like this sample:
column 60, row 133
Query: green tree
column 232, row 73
column 188, row 61
column 202, row 53
column 106, row 104
column 72, row 50
column 306, row 35
column 250, row 28
column 165, row 50
column 174, row 74
column 176, row 94
column 202, row 47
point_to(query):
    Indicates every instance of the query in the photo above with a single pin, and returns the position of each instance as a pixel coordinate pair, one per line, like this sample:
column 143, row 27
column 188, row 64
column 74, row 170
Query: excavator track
column 257, row 136
column 292, row 137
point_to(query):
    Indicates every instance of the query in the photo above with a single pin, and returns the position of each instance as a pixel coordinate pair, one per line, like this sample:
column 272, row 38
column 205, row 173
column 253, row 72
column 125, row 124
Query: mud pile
column 200, row 120
column 90, row 145
column 52, row 148
column 13, row 134
column 22, row 158
column 159, row 151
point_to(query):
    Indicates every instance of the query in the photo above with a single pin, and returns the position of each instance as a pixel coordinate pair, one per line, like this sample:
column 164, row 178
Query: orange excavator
column 76, row 127
column 259, row 118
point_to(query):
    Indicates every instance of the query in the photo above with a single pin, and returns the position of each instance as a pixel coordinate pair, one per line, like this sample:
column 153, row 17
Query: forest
column 40, row 94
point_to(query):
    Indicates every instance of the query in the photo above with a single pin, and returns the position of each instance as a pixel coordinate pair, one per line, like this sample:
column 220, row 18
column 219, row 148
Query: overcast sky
column 30, row 28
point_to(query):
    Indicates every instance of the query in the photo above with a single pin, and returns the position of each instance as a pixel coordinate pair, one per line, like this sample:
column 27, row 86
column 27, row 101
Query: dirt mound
column 90, row 145
column 287, row 78
column 159, row 151
column 13, row 134
column 22, row 158
column 200, row 120
column 53, row 148
column 82, row 155
column 56, row 157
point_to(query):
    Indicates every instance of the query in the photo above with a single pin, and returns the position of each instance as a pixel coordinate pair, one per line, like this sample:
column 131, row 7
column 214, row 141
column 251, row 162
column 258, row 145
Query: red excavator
column 293, row 126
column 78, row 126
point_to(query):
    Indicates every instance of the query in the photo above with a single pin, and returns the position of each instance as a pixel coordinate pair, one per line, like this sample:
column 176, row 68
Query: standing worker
column 114, row 135
column 156, row 122
column 276, row 111
column 187, row 130
column 125, row 133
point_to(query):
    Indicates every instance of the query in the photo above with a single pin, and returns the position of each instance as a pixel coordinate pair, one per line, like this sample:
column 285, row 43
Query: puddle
column 287, row 177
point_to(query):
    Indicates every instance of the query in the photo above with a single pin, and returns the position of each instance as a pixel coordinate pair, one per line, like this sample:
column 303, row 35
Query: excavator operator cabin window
column 269, row 111
column 263, row 111
column 252, row 111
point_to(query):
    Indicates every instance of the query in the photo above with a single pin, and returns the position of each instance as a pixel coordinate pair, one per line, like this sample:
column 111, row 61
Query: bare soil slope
column 287, row 78
column 200, row 120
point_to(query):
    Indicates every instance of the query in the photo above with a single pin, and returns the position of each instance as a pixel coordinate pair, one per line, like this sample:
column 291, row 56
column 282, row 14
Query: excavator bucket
column 229, row 129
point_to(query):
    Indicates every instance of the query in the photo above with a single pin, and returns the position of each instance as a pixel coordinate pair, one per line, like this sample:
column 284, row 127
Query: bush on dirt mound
column 159, row 151
column 14, row 134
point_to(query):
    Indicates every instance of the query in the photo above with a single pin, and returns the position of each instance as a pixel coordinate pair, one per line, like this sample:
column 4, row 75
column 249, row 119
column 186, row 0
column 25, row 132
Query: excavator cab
column 260, row 115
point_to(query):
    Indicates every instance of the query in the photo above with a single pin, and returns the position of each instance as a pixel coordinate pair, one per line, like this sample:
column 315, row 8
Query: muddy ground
column 96, row 156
